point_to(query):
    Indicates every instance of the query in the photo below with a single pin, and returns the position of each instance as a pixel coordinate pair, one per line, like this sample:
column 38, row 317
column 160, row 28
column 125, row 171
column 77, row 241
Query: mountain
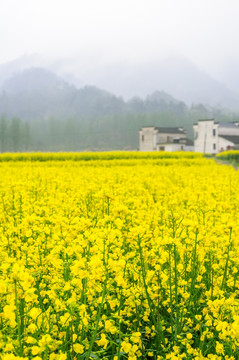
column 33, row 80
column 39, row 93
column 174, row 75
column 228, row 72
column 13, row 67
column 40, row 111
column 34, row 93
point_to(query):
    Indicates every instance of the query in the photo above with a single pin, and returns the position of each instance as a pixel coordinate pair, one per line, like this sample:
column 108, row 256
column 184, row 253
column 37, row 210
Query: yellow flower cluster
column 132, row 258
column 231, row 155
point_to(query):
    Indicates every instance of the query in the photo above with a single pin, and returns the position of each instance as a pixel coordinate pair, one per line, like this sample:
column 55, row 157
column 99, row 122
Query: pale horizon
column 128, row 31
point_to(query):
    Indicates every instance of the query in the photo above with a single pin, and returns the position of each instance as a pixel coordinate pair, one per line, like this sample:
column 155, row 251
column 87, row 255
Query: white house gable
column 163, row 139
column 206, row 136
column 212, row 137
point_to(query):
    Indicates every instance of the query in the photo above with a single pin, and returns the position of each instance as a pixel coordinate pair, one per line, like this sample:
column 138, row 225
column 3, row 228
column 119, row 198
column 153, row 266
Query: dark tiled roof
column 206, row 120
column 229, row 124
column 181, row 141
column 147, row 126
column 234, row 124
column 171, row 130
column 201, row 120
column 233, row 138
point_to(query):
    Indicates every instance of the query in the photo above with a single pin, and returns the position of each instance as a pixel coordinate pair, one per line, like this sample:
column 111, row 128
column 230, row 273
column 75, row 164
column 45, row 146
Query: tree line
column 93, row 133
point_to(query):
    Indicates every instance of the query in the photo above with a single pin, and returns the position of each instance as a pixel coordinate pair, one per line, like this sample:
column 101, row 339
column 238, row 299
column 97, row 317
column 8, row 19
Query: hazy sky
column 205, row 31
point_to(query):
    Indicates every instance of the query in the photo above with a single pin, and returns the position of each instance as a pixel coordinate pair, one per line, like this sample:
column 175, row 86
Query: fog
column 126, row 31
column 86, row 75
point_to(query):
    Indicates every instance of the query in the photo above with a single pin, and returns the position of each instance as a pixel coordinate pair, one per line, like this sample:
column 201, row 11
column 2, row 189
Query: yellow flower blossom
column 78, row 348
column 135, row 254
column 103, row 341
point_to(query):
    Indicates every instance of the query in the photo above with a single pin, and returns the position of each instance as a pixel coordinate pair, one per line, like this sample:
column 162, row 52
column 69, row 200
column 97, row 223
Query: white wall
column 151, row 140
column 171, row 147
column 224, row 130
column 147, row 139
column 189, row 148
column 167, row 138
column 224, row 144
column 206, row 137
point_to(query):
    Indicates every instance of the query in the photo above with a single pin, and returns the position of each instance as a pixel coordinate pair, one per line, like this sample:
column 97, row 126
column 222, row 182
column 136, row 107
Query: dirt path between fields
column 224, row 162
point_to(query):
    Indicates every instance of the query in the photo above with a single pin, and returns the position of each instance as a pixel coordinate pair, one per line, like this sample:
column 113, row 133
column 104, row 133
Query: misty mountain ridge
column 39, row 93
column 31, row 80
column 174, row 75
column 40, row 111
column 7, row 70
column 161, row 96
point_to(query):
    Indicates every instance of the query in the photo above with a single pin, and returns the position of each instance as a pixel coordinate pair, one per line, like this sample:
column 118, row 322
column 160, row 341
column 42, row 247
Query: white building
column 153, row 138
column 213, row 137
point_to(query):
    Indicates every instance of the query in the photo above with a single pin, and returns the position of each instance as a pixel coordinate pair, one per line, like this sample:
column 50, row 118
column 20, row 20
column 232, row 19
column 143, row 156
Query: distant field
column 132, row 258
column 231, row 155
column 107, row 155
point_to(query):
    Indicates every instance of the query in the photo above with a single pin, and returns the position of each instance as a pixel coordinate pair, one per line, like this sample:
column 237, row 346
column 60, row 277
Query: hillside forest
column 41, row 112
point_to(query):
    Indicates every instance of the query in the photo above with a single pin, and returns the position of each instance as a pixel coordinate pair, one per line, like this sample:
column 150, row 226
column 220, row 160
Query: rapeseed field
column 118, row 257
column 230, row 155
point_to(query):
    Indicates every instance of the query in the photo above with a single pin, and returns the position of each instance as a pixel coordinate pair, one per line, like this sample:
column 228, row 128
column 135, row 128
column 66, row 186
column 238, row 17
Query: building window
column 142, row 138
column 214, row 146
column 214, row 132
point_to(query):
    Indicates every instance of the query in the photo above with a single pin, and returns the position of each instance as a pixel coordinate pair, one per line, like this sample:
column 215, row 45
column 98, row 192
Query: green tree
column 15, row 134
column 26, row 136
column 3, row 134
